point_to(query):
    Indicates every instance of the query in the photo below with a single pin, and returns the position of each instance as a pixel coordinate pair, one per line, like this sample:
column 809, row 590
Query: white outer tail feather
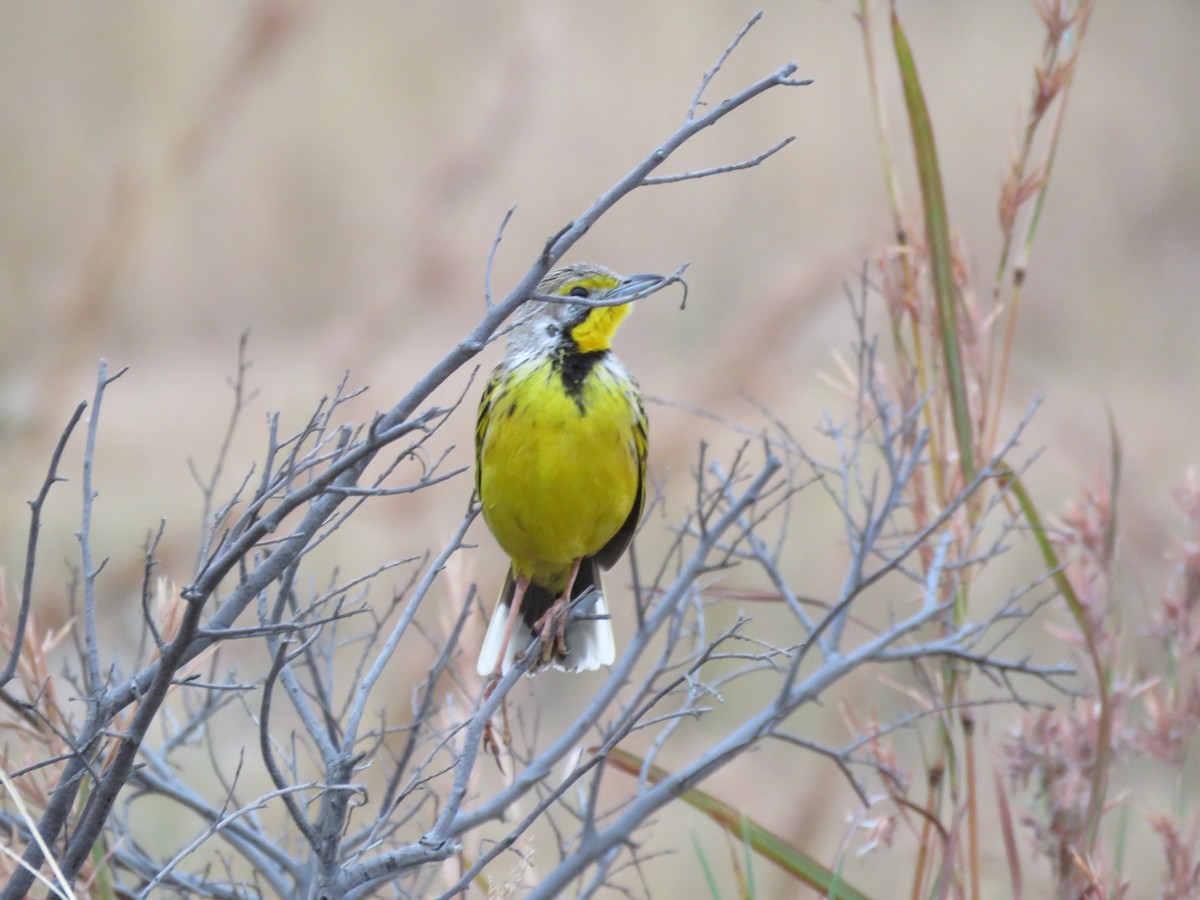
column 590, row 642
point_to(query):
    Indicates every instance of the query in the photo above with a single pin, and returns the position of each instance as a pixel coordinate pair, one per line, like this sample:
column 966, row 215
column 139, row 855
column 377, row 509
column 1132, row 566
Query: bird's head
column 544, row 325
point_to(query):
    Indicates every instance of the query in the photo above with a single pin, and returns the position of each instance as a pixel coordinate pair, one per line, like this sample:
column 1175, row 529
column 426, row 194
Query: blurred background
column 331, row 177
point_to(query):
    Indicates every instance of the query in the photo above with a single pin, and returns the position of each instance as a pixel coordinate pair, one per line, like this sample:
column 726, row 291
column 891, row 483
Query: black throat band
column 573, row 366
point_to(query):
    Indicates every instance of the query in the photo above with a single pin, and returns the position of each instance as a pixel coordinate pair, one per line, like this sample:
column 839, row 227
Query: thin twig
column 721, row 170
column 35, row 527
column 92, row 674
column 487, row 276
column 725, row 54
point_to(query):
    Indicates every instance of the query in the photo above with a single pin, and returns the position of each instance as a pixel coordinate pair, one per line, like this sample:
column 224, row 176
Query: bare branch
column 208, row 486
column 725, row 54
column 35, row 526
column 93, row 679
column 487, row 276
column 720, row 170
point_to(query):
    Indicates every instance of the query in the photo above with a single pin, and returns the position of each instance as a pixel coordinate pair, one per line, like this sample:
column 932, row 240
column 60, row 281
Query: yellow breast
column 558, row 473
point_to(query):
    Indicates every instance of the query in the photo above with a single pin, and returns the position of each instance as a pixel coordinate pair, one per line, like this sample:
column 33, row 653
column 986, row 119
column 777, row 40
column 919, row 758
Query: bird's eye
column 580, row 291
column 551, row 329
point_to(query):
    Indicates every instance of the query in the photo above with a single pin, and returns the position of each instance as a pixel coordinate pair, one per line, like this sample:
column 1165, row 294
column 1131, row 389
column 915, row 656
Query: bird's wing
column 619, row 543
column 482, row 419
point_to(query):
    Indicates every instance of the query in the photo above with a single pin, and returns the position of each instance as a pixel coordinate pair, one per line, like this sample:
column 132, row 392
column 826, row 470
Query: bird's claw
column 552, row 631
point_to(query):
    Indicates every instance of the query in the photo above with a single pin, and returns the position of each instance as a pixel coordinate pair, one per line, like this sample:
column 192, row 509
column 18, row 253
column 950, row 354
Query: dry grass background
column 331, row 177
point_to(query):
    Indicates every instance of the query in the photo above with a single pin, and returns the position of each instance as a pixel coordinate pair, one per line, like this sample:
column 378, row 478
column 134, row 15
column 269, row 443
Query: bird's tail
column 589, row 634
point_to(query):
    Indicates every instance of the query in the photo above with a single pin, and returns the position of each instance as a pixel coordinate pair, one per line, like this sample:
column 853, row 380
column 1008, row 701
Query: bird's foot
column 552, row 630
column 490, row 743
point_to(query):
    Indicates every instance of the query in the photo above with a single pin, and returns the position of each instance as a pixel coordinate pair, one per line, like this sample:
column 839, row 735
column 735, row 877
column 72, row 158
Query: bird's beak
column 633, row 287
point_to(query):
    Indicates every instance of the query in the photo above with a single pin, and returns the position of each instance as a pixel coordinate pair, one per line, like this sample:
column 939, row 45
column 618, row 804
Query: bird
column 560, row 474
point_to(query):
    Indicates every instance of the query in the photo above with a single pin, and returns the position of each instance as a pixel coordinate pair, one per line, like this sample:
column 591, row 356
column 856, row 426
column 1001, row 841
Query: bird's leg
column 552, row 627
column 514, row 613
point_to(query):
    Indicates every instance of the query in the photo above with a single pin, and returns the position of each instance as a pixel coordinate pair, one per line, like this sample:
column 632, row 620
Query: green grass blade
column 1104, row 725
column 747, row 849
column 710, row 877
column 764, row 842
column 937, row 235
column 1010, row 482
